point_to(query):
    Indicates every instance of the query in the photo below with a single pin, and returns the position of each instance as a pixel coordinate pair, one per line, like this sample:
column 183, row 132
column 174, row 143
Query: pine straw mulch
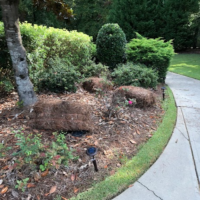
column 117, row 137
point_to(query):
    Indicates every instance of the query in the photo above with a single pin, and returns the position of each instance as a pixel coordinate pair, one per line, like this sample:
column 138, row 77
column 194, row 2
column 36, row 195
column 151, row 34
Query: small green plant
column 58, row 197
column 50, row 155
column 4, row 150
column 136, row 75
column 111, row 44
column 19, row 104
column 21, row 185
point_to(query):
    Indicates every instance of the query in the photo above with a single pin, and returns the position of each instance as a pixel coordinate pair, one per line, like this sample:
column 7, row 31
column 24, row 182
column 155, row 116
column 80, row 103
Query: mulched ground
column 117, row 138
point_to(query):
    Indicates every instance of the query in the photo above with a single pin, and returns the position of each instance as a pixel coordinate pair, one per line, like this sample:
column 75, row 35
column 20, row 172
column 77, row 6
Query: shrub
column 6, row 72
column 111, row 44
column 154, row 53
column 43, row 45
column 93, row 69
column 58, row 77
column 136, row 75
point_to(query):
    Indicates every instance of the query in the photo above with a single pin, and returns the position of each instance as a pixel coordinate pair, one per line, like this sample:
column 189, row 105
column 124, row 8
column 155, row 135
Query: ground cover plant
column 187, row 64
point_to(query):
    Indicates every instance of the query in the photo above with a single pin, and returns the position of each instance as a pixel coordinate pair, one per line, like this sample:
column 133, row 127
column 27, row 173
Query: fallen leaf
column 133, row 141
column 112, row 172
column 64, row 198
column 6, row 167
column 30, row 185
column 44, row 173
column 75, row 190
column 138, row 132
column 73, row 177
column 36, row 176
column 130, row 185
column 4, row 190
column 105, row 167
column 53, row 189
column 96, row 143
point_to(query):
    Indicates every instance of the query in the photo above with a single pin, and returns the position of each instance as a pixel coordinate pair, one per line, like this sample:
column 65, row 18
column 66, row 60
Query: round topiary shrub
column 111, row 44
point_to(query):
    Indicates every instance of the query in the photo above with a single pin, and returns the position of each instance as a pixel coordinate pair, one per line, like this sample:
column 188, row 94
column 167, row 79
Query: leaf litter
column 117, row 136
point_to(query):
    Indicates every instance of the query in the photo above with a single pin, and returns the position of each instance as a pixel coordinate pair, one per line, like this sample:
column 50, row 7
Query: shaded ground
column 117, row 136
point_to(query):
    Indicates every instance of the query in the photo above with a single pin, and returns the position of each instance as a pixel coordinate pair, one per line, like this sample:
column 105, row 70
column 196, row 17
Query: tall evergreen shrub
column 111, row 44
column 154, row 53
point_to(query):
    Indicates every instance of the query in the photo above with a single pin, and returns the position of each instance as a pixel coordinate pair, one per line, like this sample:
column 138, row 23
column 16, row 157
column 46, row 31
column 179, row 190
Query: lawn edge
column 139, row 164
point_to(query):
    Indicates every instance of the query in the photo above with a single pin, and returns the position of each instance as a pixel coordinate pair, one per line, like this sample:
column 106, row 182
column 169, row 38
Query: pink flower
column 130, row 102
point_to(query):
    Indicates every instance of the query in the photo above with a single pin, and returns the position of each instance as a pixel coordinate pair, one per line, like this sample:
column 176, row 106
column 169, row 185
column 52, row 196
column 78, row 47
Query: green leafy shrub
column 111, row 44
column 32, row 151
column 58, row 77
column 154, row 53
column 44, row 46
column 93, row 69
column 136, row 75
column 6, row 73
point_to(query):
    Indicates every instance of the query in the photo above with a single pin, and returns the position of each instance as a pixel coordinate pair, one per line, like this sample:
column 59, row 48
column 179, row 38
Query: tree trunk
column 17, row 51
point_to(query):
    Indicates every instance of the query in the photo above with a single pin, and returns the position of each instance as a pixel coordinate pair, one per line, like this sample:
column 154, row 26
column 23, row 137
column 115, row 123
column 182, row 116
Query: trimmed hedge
column 46, row 44
column 111, row 44
column 135, row 74
column 154, row 53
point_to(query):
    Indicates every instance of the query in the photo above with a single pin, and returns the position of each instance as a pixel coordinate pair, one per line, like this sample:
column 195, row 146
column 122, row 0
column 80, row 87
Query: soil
column 118, row 134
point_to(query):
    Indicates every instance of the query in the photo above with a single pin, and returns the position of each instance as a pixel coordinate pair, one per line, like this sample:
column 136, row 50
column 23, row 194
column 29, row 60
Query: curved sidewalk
column 176, row 174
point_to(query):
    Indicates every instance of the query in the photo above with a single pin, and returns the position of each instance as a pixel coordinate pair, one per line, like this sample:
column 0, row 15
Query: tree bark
column 17, row 51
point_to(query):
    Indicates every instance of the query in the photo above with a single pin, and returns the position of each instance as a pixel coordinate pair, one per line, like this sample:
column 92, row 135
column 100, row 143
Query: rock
column 95, row 84
column 144, row 97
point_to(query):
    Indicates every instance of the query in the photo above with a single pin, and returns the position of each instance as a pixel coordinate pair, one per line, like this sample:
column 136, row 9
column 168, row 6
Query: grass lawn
column 186, row 64
column 133, row 169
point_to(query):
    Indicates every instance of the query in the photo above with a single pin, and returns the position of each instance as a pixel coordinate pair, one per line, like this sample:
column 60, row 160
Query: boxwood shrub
column 154, row 53
column 135, row 74
column 111, row 44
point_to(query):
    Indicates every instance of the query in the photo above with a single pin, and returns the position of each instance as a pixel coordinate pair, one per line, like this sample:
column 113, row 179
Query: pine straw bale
column 93, row 84
column 59, row 115
column 144, row 98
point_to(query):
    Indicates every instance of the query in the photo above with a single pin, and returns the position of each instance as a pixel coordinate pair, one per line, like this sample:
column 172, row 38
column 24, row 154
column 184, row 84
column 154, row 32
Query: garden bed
column 117, row 135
